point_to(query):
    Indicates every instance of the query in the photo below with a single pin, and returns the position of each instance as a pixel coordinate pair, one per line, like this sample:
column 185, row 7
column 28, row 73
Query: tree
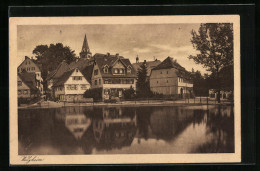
column 49, row 57
column 129, row 93
column 143, row 89
column 214, row 41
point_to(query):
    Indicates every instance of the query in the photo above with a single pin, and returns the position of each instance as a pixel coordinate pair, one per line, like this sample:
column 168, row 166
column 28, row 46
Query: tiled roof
column 150, row 65
column 170, row 63
column 81, row 63
column 103, row 60
column 61, row 80
column 87, row 72
column 63, row 67
column 29, row 79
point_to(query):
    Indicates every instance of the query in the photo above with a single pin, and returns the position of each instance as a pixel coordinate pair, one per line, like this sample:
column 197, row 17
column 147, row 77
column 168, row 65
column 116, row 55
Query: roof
column 81, row 63
column 87, row 72
column 29, row 79
column 33, row 61
column 170, row 63
column 103, row 60
column 62, row 67
column 150, row 65
column 61, row 80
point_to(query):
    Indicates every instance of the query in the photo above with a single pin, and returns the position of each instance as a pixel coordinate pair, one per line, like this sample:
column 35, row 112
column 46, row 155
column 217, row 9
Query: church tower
column 85, row 51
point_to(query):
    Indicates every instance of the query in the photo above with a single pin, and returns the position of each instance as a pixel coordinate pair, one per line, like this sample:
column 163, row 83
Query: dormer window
column 77, row 70
column 121, row 71
column 116, row 71
column 106, row 69
column 129, row 70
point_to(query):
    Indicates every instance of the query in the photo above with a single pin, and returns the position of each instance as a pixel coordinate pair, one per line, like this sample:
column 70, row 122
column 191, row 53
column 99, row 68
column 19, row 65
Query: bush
column 129, row 93
column 95, row 93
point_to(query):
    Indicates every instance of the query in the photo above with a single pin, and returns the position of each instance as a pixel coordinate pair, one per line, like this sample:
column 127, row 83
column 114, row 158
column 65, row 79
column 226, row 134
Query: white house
column 71, row 86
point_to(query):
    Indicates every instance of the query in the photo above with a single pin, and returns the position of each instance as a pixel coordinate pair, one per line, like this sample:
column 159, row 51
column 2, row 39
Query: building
column 170, row 78
column 85, row 51
column 57, row 73
column 30, row 66
column 72, row 85
column 112, row 73
column 113, row 129
column 223, row 94
column 26, row 83
column 149, row 64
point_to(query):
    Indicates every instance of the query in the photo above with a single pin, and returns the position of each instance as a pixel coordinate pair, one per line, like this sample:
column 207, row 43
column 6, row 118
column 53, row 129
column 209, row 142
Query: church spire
column 85, row 47
column 85, row 51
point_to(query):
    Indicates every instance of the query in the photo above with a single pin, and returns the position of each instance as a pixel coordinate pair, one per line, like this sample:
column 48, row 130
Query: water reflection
column 114, row 130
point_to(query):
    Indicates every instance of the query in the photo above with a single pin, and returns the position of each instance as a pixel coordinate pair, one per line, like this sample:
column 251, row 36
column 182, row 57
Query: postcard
column 124, row 89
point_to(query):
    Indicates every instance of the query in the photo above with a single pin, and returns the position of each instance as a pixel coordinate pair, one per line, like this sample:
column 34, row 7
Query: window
column 157, row 82
column 77, row 70
column 19, row 92
column 60, row 88
column 99, row 81
column 25, row 92
column 95, row 82
column 105, row 70
column 19, row 83
column 167, row 72
column 121, row 71
column 96, row 72
column 83, row 87
column 72, row 87
column 167, row 80
column 106, row 82
column 77, row 78
column 161, row 72
column 129, row 70
column 116, row 71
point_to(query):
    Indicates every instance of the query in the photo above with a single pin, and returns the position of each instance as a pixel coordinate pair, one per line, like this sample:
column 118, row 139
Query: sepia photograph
column 140, row 89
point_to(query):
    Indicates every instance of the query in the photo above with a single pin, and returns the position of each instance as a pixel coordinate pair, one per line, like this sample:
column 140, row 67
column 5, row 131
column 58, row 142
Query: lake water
column 126, row 130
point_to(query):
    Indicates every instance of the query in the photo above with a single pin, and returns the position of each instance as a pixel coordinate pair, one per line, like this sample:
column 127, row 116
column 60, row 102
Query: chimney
column 117, row 54
column 137, row 59
column 108, row 54
column 144, row 61
column 31, row 57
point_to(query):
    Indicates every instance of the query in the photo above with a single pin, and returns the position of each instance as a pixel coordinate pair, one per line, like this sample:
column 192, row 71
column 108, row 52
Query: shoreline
column 51, row 104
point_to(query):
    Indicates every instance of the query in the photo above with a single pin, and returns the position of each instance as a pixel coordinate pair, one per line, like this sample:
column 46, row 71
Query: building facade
column 71, row 86
column 26, row 86
column 169, row 78
column 30, row 66
column 114, row 74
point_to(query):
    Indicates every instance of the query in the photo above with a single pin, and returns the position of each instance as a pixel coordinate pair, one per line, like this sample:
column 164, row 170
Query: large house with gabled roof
column 29, row 66
column 72, row 84
column 112, row 73
column 170, row 78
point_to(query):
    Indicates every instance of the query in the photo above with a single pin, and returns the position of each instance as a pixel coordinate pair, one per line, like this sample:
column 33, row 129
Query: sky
column 148, row 41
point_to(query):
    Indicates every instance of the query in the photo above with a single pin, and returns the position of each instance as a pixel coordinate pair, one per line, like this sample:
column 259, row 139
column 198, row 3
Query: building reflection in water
column 114, row 128
column 163, row 129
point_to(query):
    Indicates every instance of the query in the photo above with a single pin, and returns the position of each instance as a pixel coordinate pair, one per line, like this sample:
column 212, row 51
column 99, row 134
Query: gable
column 26, row 64
column 76, row 73
column 118, row 64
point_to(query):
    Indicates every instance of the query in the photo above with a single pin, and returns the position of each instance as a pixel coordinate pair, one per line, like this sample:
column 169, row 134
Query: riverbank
column 182, row 102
